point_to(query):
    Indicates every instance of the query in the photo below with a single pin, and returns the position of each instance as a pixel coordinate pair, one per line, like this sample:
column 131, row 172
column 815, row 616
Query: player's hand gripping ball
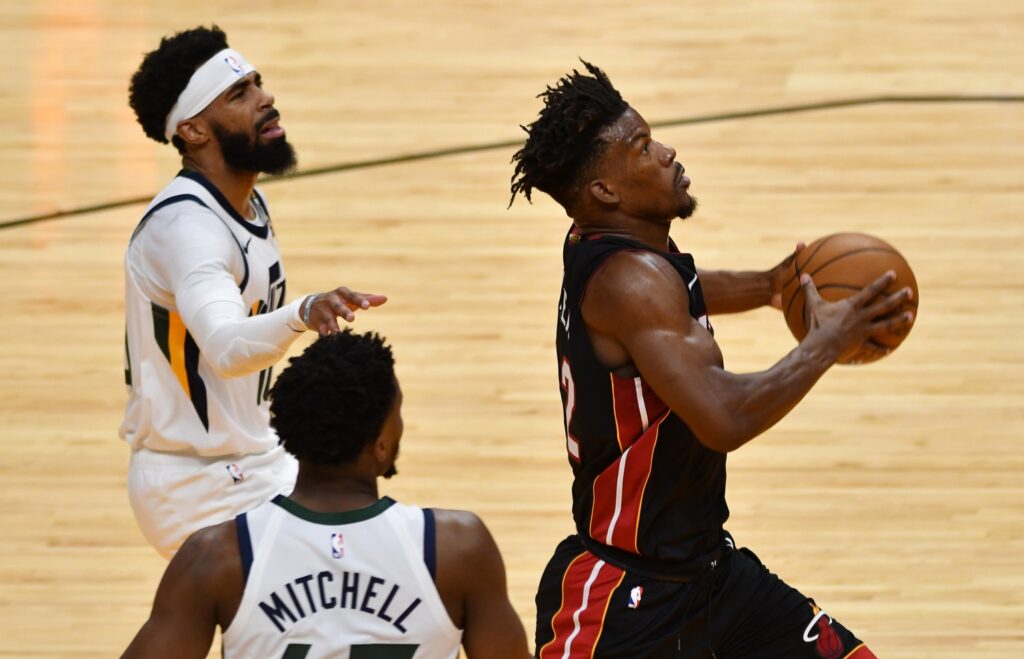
column 841, row 265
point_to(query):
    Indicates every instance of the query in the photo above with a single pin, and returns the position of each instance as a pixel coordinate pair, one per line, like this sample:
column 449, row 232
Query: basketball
column 841, row 265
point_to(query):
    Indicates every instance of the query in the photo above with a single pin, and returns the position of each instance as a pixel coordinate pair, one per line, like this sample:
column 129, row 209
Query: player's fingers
column 329, row 326
column 889, row 302
column 353, row 299
column 810, row 290
column 338, row 306
column 874, row 289
column 892, row 324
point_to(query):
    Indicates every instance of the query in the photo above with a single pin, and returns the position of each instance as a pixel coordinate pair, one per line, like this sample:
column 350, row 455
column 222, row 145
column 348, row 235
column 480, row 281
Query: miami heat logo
column 820, row 632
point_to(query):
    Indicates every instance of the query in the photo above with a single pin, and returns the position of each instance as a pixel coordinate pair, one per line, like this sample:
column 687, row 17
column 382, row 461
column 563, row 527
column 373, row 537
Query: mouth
column 270, row 126
column 682, row 180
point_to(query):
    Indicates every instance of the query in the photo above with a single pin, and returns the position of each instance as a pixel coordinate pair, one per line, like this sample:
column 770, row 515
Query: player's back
column 353, row 584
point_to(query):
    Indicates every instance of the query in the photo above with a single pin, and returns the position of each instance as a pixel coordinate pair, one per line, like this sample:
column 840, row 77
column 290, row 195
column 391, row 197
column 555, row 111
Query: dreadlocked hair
column 333, row 399
column 563, row 143
column 164, row 74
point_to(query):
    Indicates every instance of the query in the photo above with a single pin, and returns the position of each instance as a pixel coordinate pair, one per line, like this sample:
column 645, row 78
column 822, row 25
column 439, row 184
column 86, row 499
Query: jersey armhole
column 430, row 543
column 244, row 545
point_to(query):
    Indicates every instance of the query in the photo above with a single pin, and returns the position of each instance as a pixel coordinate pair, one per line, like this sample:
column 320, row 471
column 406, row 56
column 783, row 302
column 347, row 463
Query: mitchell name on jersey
column 309, row 594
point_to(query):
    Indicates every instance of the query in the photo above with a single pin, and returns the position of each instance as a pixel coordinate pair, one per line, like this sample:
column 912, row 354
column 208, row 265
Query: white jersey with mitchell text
column 352, row 585
column 177, row 403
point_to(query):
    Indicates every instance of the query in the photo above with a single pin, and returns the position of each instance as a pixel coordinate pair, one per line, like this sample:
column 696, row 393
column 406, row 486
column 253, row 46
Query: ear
column 381, row 450
column 601, row 191
column 195, row 131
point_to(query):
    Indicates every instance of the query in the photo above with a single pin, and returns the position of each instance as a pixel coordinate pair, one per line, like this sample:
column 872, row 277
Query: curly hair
column 333, row 399
column 164, row 74
column 563, row 143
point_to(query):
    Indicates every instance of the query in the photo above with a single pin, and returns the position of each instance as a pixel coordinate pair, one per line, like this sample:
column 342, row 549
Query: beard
column 246, row 154
column 391, row 471
column 688, row 210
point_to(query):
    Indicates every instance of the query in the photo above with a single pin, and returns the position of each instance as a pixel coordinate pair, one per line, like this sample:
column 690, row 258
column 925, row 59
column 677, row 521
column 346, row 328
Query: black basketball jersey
column 644, row 486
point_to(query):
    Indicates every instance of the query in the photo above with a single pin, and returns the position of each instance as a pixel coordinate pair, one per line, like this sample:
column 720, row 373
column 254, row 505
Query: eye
column 646, row 148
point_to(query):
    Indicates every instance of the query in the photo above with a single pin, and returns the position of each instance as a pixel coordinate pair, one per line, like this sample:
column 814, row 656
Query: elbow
column 227, row 366
column 722, row 437
column 238, row 357
column 225, row 370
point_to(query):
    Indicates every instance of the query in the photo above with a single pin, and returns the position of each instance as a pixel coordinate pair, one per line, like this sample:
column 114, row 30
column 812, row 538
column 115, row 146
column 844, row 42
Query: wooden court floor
column 893, row 494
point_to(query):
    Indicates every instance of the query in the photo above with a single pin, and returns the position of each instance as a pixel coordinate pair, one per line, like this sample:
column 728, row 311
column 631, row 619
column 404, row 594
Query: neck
column 653, row 234
column 234, row 185
column 334, row 489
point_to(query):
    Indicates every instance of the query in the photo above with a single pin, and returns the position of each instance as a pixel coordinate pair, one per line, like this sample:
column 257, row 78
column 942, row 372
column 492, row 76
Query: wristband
column 309, row 307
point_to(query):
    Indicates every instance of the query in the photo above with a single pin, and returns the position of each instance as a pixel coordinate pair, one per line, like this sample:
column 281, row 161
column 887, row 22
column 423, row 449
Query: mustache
column 270, row 116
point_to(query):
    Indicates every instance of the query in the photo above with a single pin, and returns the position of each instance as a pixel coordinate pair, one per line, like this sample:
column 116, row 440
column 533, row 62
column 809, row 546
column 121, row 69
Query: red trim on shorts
column 861, row 652
column 587, row 588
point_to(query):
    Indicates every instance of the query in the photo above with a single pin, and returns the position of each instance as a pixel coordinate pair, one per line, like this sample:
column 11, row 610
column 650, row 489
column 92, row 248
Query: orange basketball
column 841, row 265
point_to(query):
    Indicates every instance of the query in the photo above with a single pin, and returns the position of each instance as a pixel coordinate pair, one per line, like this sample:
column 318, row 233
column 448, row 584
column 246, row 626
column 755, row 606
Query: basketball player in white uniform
column 333, row 570
column 205, row 306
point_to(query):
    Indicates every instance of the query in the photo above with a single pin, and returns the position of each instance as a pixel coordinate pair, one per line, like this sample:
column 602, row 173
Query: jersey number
column 275, row 299
column 569, row 398
column 375, row 651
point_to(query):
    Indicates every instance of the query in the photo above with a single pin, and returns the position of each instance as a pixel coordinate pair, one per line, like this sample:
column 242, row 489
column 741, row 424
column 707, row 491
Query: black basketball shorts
column 737, row 610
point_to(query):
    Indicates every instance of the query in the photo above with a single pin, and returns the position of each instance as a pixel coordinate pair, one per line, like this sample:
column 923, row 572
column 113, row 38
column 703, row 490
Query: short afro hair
column 563, row 143
column 164, row 74
column 333, row 399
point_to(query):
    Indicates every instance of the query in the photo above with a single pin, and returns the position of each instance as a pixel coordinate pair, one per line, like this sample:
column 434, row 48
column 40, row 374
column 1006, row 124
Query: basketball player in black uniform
column 650, row 412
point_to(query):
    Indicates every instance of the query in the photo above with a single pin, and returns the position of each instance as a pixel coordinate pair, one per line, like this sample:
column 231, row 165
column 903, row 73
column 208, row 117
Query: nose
column 669, row 156
column 268, row 99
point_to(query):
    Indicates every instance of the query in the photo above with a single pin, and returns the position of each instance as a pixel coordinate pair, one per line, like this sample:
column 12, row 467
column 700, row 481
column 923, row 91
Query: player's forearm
column 235, row 345
column 754, row 402
column 728, row 291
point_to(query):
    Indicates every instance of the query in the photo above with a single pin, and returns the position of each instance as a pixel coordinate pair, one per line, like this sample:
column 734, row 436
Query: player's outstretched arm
column 637, row 312
column 471, row 580
column 728, row 291
column 199, row 583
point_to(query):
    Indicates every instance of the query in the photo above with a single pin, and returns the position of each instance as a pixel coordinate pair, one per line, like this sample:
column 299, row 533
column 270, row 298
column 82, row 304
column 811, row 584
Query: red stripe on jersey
column 619, row 493
column 861, row 652
column 619, row 490
column 587, row 588
column 635, row 406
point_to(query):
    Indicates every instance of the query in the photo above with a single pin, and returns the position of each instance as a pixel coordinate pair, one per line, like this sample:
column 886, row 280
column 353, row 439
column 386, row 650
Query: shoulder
column 634, row 284
column 633, row 268
column 209, row 565
column 186, row 217
column 211, row 551
column 463, row 539
column 467, row 533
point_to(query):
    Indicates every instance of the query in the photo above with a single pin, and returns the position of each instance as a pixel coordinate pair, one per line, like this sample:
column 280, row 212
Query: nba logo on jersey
column 235, row 472
column 337, row 545
column 634, row 596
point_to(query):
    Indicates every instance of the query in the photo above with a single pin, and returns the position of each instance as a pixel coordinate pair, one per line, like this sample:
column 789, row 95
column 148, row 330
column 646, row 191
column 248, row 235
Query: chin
column 688, row 209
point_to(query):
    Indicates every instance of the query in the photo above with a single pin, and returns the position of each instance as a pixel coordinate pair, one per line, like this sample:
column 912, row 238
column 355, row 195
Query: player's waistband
column 673, row 571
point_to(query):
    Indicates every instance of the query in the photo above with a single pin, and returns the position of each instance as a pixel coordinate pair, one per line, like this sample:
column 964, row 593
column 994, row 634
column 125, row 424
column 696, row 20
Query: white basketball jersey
column 353, row 585
column 176, row 402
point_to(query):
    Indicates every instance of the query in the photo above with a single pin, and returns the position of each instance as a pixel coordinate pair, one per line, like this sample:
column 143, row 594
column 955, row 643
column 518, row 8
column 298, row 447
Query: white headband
column 213, row 77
